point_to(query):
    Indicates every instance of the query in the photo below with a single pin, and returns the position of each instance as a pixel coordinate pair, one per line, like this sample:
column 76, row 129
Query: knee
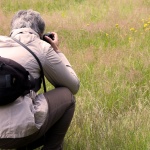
column 67, row 93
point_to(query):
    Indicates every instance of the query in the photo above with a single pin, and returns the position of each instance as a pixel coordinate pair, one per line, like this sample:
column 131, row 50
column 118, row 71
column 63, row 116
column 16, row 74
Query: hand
column 54, row 43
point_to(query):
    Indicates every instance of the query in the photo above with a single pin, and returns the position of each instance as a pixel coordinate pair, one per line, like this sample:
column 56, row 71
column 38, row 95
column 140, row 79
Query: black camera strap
column 42, row 72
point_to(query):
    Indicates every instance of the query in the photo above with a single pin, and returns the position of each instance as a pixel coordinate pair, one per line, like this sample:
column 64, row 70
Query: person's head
column 28, row 19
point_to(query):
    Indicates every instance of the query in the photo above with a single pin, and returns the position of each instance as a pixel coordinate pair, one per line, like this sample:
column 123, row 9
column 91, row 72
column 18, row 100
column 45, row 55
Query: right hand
column 54, row 43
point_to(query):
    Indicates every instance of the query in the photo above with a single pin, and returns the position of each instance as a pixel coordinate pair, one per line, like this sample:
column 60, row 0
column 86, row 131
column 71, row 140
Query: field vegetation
column 108, row 45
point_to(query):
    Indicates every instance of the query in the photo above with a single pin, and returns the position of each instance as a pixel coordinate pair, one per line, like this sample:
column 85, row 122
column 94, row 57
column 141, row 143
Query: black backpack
column 15, row 80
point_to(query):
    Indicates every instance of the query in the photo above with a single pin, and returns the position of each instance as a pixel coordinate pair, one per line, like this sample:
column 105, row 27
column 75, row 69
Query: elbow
column 76, row 87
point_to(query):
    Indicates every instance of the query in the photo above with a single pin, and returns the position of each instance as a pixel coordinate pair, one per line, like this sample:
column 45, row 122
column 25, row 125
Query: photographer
column 35, row 119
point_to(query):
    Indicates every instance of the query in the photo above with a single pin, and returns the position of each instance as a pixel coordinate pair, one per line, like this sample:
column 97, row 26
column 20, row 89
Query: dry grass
column 112, row 62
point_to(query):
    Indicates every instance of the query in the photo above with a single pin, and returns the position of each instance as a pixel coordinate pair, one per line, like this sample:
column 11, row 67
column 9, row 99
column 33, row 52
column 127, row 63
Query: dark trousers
column 61, row 105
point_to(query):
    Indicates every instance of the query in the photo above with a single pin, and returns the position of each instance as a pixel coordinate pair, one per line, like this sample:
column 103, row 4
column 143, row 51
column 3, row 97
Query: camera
column 50, row 35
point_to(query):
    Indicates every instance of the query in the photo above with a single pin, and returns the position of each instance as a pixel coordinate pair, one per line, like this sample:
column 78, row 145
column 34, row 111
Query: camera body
column 49, row 34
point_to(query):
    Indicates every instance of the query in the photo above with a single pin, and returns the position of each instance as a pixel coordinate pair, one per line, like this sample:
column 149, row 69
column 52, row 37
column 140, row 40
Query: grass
column 107, row 43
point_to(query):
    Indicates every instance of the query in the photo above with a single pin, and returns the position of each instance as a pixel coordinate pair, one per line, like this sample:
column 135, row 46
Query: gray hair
column 28, row 19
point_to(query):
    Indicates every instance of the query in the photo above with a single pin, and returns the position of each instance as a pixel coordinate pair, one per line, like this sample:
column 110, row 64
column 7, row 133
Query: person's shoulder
column 5, row 41
column 46, row 46
column 4, row 38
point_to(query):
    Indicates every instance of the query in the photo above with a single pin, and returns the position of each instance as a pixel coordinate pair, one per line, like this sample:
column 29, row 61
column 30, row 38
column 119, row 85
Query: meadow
column 108, row 45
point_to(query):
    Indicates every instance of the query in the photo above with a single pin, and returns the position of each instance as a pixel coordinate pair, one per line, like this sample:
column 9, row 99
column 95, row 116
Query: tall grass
column 107, row 43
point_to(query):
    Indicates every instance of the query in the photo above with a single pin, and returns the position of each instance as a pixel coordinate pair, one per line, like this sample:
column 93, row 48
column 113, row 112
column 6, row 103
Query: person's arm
column 58, row 69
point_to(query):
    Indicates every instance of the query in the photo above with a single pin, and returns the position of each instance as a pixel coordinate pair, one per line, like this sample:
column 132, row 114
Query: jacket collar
column 14, row 32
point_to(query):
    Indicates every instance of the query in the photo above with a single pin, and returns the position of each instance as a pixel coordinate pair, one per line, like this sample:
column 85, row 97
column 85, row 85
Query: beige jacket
column 27, row 114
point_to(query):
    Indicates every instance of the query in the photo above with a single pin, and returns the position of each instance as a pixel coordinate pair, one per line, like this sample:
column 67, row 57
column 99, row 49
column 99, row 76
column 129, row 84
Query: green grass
column 107, row 43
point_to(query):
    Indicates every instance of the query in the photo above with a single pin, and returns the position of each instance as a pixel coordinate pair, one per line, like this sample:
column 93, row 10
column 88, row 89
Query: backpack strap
column 42, row 72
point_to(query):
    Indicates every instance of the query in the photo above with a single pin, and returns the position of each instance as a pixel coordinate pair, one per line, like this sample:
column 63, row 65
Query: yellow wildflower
column 145, row 25
column 106, row 34
column 130, row 38
column 117, row 25
column 132, row 29
column 63, row 14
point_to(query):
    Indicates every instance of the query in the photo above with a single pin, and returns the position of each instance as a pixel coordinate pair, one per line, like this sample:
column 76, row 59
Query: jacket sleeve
column 59, row 72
